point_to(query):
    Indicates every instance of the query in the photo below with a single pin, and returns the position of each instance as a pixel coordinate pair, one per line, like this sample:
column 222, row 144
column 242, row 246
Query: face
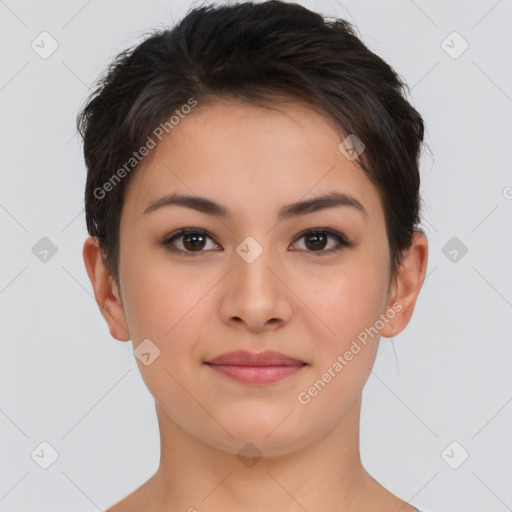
column 252, row 280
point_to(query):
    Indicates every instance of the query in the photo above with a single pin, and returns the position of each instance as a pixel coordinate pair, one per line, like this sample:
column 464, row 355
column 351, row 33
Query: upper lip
column 245, row 358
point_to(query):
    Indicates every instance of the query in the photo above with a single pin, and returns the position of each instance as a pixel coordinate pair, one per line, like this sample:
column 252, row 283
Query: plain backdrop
column 437, row 409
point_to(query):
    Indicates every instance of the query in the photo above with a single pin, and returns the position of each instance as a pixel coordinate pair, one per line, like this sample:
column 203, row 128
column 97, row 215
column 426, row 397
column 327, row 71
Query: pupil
column 316, row 236
column 187, row 239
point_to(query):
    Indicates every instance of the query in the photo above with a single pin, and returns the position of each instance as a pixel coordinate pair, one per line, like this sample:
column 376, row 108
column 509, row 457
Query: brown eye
column 316, row 240
column 193, row 241
column 188, row 241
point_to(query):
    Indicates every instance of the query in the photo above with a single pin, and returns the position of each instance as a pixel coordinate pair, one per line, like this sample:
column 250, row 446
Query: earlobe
column 105, row 290
column 407, row 285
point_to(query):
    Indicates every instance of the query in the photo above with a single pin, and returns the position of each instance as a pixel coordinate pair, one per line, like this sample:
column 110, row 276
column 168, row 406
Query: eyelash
column 342, row 240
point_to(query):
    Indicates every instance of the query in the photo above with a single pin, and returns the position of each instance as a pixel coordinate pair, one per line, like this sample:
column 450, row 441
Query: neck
column 326, row 474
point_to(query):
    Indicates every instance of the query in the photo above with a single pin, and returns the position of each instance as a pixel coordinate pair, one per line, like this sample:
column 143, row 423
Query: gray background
column 446, row 378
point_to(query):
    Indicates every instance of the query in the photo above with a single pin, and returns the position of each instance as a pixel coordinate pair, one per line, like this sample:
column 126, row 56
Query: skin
column 253, row 160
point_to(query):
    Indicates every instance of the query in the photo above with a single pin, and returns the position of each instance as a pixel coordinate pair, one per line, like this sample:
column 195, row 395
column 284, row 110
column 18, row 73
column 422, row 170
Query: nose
column 255, row 294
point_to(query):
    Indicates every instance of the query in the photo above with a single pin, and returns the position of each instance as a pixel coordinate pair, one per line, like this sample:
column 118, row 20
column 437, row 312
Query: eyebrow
column 210, row 207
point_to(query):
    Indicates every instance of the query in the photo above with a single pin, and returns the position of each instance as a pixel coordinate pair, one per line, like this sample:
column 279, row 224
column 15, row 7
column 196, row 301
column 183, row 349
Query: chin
column 254, row 441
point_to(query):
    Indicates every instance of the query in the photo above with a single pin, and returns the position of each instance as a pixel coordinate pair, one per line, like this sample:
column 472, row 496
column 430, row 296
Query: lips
column 244, row 358
column 256, row 368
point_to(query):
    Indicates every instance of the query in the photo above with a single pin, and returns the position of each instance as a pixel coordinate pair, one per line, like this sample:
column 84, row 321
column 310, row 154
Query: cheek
column 162, row 307
column 349, row 304
column 159, row 297
column 347, row 299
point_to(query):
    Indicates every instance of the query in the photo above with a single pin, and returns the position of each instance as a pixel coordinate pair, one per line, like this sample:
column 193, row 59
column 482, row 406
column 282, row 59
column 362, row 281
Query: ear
column 105, row 290
column 407, row 285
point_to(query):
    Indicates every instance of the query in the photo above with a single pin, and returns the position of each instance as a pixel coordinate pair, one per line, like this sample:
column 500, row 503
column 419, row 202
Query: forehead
column 245, row 155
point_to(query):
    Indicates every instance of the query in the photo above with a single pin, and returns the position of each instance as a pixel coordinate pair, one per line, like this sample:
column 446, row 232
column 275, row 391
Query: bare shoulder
column 125, row 505
column 383, row 499
column 135, row 502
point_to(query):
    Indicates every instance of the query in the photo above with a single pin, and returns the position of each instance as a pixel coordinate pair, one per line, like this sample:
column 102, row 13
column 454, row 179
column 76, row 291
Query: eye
column 191, row 240
column 317, row 240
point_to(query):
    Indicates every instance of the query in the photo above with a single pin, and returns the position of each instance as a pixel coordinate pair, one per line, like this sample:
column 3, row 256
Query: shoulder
column 134, row 502
column 120, row 506
column 138, row 500
column 125, row 505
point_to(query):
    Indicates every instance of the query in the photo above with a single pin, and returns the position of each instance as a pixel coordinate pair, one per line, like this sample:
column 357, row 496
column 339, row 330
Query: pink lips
column 256, row 368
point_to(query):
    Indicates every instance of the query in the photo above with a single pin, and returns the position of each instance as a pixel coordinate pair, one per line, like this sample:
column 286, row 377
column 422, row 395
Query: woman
column 253, row 203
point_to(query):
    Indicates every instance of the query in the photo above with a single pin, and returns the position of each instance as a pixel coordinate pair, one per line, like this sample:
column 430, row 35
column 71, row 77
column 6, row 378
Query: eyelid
column 167, row 241
column 343, row 241
column 329, row 231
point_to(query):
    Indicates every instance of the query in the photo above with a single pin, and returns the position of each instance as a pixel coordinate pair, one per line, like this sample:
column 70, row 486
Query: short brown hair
column 254, row 52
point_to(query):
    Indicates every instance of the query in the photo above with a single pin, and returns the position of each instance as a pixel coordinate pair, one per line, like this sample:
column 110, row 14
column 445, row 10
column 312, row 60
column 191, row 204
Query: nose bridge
column 255, row 294
column 252, row 260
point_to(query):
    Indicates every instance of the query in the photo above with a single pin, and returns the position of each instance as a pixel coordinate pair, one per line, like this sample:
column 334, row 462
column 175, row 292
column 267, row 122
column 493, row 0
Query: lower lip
column 256, row 374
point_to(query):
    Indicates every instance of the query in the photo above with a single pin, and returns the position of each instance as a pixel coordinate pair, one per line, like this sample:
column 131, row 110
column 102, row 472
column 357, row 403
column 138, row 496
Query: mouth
column 256, row 368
